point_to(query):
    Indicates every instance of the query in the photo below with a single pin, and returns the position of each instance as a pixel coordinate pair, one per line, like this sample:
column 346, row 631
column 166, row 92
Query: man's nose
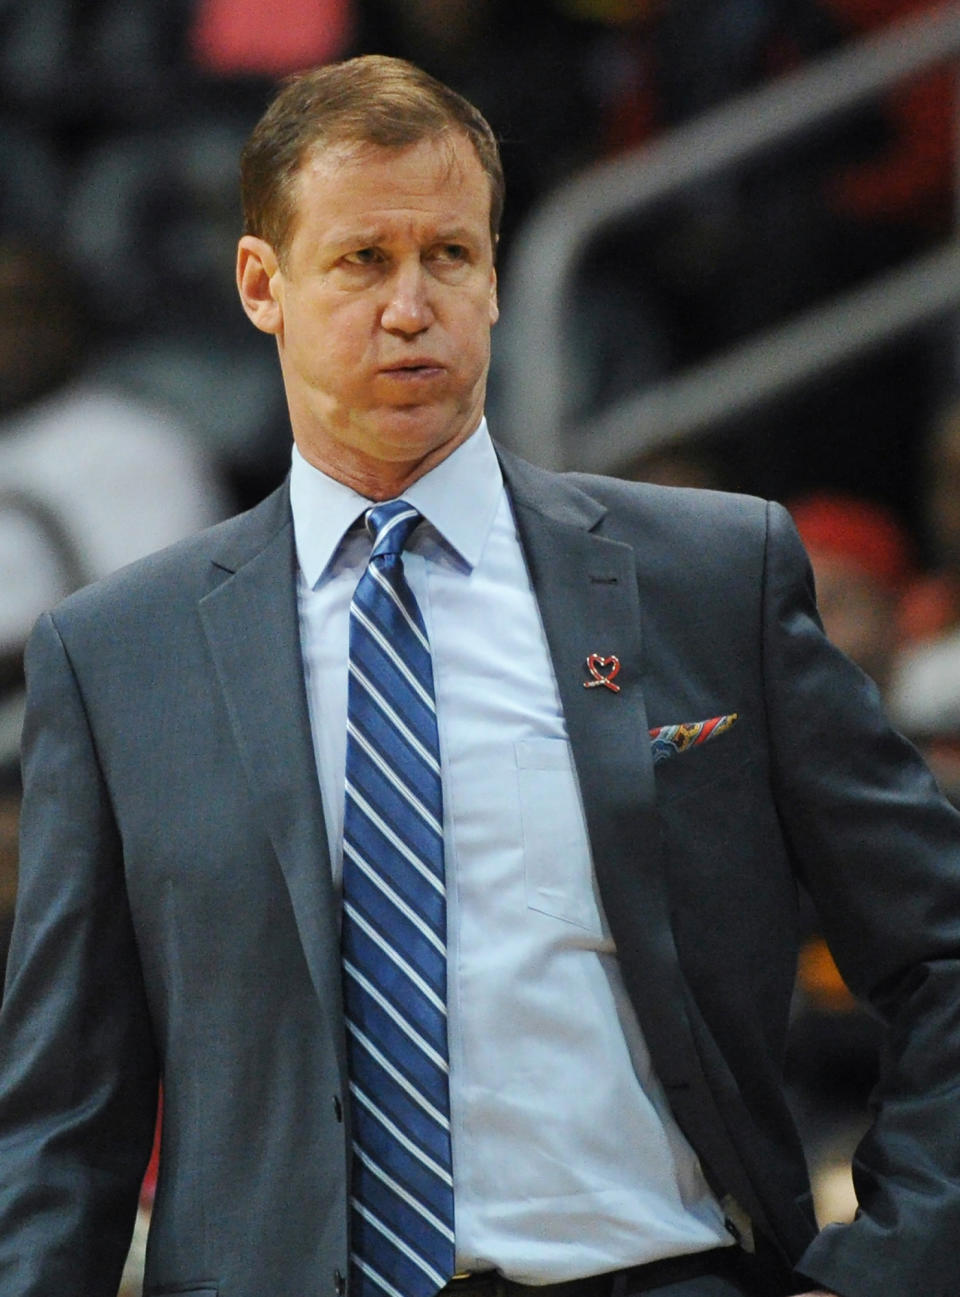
column 407, row 309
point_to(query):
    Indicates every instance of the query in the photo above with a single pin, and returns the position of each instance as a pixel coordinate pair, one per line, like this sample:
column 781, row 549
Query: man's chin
column 410, row 432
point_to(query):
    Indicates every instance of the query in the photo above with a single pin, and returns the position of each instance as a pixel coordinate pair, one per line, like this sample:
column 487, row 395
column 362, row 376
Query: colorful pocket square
column 666, row 740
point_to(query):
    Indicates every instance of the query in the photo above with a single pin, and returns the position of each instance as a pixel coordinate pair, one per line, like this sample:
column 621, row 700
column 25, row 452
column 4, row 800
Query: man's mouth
column 413, row 369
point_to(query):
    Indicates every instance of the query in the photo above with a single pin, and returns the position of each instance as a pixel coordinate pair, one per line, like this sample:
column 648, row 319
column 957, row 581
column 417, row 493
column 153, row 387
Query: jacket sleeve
column 78, row 1068
column 879, row 850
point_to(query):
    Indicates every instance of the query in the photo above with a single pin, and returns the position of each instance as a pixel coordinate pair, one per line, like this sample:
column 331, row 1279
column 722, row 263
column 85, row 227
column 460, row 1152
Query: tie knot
column 390, row 525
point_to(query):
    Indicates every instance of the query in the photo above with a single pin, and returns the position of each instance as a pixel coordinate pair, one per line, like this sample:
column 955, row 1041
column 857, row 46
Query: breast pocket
column 558, row 869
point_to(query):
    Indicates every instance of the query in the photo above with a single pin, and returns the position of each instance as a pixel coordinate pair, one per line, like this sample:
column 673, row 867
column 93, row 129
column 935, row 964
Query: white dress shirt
column 566, row 1159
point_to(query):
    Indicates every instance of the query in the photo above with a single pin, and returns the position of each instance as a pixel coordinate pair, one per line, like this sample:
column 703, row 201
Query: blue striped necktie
column 394, row 936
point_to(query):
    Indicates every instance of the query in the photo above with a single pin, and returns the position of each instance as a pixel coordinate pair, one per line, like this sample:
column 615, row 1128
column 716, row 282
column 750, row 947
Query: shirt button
column 337, row 1108
column 339, row 1283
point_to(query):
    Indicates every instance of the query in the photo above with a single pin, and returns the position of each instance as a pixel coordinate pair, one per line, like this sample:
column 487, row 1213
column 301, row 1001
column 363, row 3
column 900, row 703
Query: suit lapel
column 250, row 620
column 586, row 586
column 587, row 590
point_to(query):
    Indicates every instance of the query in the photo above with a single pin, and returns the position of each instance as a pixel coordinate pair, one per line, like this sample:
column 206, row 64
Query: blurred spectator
column 909, row 180
column 932, row 604
column 861, row 562
column 707, row 268
column 89, row 479
column 232, row 37
column 673, row 59
column 32, row 194
column 746, row 251
column 925, row 698
column 685, row 464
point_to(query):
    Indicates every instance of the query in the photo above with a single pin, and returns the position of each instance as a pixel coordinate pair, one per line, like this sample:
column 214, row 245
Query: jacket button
column 339, row 1283
column 337, row 1108
column 731, row 1229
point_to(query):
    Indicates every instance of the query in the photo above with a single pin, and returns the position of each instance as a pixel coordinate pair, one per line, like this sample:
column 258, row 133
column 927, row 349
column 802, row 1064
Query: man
column 621, row 736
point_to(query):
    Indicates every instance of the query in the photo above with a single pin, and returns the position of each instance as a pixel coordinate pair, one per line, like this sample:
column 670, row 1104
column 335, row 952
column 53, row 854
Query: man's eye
column 362, row 257
column 451, row 252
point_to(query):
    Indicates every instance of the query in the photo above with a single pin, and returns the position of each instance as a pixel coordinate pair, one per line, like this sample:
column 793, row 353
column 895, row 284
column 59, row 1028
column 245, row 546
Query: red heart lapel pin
column 603, row 670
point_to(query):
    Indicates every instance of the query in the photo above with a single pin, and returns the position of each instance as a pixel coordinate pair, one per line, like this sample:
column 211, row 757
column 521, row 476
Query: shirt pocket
column 557, row 864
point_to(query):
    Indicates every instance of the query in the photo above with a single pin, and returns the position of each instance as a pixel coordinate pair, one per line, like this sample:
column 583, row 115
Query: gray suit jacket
column 177, row 919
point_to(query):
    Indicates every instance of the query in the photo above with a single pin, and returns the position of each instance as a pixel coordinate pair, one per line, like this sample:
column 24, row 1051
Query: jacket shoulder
column 185, row 569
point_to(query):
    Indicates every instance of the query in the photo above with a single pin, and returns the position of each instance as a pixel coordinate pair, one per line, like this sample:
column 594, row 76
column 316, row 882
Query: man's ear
column 494, row 304
column 259, row 282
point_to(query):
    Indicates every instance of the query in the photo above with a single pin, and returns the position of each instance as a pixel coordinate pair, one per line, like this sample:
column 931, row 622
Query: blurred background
column 729, row 260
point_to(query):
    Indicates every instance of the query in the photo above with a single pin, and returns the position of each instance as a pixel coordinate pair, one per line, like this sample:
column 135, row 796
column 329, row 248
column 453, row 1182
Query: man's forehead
column 448, row 151
column 436, row 190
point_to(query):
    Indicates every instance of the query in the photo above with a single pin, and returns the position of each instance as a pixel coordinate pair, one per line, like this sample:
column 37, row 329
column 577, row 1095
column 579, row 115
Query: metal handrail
column 535, row 378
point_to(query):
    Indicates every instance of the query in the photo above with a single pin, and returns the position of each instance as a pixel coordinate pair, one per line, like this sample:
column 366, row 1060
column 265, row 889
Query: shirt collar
column 458, row 497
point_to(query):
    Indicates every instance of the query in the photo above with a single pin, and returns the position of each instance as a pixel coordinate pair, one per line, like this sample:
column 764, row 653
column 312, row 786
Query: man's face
column 383, row 307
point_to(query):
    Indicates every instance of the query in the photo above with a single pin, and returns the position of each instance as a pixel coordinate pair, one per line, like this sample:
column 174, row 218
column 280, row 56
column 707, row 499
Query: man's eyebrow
column 372, row 236
column 455, row 234
column 355, row 238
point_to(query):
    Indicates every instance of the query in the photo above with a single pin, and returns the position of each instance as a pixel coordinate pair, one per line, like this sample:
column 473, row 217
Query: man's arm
column 879, row 850
column 78, row 1068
